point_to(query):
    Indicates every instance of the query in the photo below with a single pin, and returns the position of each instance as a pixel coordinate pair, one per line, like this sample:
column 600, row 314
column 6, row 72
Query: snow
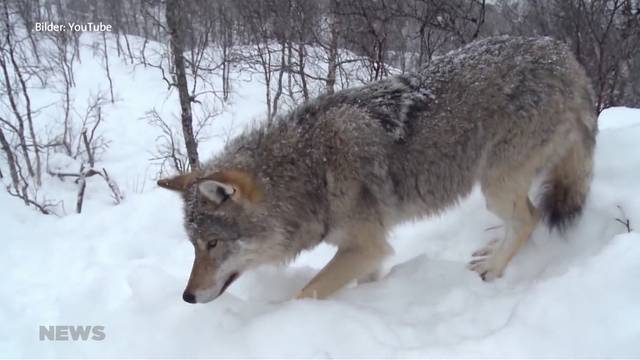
column 124, row 267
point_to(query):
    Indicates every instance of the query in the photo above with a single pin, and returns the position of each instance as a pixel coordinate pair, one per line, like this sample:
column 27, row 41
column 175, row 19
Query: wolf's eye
column 211, row 244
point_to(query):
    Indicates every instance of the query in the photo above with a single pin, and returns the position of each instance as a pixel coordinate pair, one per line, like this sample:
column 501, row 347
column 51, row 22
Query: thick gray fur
column 408, row 146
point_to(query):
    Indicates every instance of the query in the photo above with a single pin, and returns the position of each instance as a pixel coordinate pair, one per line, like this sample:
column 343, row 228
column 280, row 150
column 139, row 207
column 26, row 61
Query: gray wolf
column 345, row 168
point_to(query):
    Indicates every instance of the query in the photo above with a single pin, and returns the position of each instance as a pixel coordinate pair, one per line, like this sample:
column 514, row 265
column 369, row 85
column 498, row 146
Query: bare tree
column 20, row 128
column 11, row 51
column 106, row 64
column 604, row 35
column 88, row 144
column 11, row 161
column 332, row 48
column 175, row 19
column 168, row 146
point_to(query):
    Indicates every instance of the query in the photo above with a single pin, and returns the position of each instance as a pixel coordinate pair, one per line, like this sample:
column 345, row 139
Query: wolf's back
column 417, row 143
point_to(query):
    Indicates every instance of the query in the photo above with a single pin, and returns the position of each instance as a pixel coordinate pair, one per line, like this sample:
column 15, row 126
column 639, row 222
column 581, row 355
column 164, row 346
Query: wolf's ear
column 215, row 191
column 180, row 182
column 237, row 185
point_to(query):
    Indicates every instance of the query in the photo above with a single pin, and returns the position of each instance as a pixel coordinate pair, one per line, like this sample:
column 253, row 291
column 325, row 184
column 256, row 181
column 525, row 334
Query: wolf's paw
column 486, row 261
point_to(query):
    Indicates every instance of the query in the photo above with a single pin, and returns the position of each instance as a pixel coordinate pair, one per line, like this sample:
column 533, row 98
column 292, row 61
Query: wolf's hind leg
column 520, row 218
column 358, row 256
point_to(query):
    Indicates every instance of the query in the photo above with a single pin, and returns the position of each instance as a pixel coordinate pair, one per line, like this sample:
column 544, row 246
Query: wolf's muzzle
column 188, row 297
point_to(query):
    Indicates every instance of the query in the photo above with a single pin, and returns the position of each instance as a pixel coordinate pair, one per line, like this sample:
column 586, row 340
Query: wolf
column 346, row 168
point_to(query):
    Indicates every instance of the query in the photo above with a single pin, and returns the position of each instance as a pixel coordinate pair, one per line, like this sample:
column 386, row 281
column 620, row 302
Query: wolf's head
column 226, row 223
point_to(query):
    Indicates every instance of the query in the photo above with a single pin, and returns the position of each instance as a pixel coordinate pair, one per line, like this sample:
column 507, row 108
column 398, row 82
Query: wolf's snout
column 188, row 297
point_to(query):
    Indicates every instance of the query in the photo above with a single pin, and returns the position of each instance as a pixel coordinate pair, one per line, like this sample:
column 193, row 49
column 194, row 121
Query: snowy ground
column 125, row 266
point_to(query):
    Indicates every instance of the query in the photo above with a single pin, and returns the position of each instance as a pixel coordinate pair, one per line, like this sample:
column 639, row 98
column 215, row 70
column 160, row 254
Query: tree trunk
column 27, row 99
column 276, row 97
column 11, row 159
column 333, row 57
column 106, row 65
column 18, row 115
column 174, row 23
column 303, row 76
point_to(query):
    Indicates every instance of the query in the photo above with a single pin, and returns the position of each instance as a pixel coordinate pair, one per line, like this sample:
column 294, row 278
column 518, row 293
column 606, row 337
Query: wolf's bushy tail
column 565, row 189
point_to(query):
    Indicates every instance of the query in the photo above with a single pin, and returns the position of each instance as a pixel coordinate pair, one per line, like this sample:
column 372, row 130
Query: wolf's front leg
column 359, row 254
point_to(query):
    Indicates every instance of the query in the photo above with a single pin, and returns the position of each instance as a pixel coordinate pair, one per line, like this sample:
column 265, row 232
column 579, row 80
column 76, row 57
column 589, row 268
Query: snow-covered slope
column 124, row 267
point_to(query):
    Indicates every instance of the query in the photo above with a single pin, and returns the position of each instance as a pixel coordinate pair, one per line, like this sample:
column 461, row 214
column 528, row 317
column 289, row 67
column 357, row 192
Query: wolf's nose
column 188, row 297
